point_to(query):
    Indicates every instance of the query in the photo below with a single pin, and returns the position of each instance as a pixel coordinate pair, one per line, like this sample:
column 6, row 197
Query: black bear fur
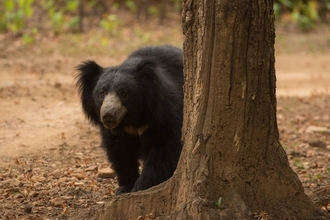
column 138, row 106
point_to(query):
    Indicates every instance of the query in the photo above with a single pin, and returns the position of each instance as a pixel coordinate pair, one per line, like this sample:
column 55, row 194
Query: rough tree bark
column 231, row 141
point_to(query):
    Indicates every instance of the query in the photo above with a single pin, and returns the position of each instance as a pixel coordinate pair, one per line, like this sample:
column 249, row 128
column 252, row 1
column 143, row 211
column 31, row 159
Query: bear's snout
column 108, row 119
column 112, row 111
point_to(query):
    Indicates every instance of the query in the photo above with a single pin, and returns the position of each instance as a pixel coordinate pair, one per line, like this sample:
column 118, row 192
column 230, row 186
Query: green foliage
column 57, row 14
column 305, row 13
column 110, row 23
column 29, row 37
column 218, row 203
column 62, row 16
column 131, row 5
column 13, row 14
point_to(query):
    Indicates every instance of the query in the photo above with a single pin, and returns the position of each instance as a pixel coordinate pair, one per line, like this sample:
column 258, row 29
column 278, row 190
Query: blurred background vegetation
column 304, row 13
column 29, row 21
column 28, row 17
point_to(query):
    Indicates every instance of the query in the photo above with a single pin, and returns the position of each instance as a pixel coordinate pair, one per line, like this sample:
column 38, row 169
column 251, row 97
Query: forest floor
column 50, row 155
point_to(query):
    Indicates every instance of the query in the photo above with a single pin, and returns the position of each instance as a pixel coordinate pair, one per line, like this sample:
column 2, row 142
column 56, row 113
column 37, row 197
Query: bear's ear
column 89, row 74
column 146, row 67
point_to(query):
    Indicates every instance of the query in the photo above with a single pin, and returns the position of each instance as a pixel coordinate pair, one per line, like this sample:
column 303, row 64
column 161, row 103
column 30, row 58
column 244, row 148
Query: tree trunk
column 231, row 141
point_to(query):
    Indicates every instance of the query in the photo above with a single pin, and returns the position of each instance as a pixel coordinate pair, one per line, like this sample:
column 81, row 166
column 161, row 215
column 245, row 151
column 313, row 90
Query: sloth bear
column 138, row 107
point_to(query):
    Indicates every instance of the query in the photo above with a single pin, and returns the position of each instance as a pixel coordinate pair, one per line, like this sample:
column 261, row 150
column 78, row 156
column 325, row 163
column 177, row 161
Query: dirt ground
column 50, row 155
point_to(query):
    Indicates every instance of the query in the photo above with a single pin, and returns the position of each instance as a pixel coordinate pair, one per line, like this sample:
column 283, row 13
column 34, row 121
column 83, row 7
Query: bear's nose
column 108, row 117
column 109, row 120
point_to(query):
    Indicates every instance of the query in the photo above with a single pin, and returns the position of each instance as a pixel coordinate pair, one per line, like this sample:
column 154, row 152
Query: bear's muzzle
column 112, row 111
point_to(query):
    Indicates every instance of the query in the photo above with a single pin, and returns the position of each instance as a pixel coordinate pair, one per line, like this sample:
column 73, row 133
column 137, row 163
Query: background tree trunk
column 231, row 141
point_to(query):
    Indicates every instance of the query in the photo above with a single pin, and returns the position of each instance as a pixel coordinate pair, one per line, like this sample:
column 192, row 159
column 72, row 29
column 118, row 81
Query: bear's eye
column 123, row 93
column 102, row 94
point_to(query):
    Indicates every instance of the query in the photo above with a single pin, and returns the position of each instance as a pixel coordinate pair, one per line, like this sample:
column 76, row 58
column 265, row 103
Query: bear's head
column 121, row 96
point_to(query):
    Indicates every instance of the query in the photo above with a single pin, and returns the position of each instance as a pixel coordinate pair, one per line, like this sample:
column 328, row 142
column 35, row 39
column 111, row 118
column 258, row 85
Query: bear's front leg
column 160, row 153
column 154, row 172
column 122, row 153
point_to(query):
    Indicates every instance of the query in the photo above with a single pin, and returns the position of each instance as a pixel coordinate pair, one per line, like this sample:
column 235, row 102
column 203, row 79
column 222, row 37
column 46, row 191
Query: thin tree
column 231, row 141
